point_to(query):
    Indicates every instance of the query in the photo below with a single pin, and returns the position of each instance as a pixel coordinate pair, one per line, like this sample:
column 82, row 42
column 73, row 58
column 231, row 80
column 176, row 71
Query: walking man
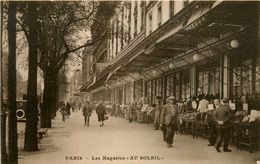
column 63, row 111
column 68, row 109
column 87, row 112
column 223, row 117
column 130, row 112
column 157, row 112
column 169, row 118
column 212, row 123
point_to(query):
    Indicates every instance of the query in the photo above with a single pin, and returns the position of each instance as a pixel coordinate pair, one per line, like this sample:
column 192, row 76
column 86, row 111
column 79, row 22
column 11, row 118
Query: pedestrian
column 223, row 120
column 189, row 107
column 203, row 106
column 101, row 112
column 79, row 106
column 130, row 112
column 157, row 112
column 86, row 110
column 117, row 111
column 169, row 118
column 113, row 109
column 63, row 111
column 68, row 109
column 181, row 111
column 194, row 104
column 212, row 123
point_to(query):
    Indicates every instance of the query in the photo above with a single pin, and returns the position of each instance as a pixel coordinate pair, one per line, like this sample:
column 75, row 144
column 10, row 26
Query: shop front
column 178, row 84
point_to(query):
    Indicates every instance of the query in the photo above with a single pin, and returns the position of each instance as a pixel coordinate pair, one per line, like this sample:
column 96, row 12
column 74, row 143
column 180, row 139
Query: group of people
column 166, row 118
column 87, row 109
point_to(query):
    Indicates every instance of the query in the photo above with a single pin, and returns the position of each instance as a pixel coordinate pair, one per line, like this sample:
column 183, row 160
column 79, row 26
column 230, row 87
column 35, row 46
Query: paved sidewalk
column 118, row 138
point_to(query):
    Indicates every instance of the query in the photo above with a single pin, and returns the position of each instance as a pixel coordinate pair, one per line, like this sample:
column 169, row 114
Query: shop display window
column 241, row 76
column 158, row 87
column 178, row 85
column 149, row 91
column 185, row 84
column 138, row 89
column 208, row 79
column 169, row 85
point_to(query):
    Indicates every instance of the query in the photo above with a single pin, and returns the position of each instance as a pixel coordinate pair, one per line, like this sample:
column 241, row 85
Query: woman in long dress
column 101, row 112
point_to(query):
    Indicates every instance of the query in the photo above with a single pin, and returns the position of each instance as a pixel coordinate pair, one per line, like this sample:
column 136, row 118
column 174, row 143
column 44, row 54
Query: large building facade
column 176, row 48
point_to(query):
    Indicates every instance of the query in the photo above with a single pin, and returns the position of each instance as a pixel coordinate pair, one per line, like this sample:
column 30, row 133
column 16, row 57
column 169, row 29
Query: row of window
column 130, row 21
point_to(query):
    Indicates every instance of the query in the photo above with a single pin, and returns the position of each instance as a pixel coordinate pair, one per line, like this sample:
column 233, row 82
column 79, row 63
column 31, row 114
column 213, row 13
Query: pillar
column 193, row 80
column 257, row 69
column 225, row 76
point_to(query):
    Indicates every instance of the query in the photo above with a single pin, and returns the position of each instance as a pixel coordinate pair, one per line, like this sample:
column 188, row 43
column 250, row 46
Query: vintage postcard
column 122, row 82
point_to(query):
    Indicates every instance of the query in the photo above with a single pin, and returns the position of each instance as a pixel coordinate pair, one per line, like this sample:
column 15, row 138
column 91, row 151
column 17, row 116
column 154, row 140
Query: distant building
column 177, row 48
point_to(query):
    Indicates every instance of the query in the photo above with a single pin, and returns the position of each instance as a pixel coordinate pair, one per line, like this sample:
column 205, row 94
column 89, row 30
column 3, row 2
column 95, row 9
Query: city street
column 177, row 62
column 118, row 138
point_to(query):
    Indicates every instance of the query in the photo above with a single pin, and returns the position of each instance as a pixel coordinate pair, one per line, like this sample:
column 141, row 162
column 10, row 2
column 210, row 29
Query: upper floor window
column 135, row 18
column 142, row 14
column 159, row 19
column 129, row 25
column 150, row 22
column 122, row 31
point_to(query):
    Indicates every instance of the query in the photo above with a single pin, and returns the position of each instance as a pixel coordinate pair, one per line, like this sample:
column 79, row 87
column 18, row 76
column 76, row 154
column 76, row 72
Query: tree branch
column 23, row 28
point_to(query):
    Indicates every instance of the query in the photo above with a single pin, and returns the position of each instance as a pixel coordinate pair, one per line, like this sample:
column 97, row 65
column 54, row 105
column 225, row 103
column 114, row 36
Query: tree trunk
column 46, row 111
column 3, row 108
column 57, row 97
column 3, row 135
column 31, row 138
column 54, row 94
column 12, row 121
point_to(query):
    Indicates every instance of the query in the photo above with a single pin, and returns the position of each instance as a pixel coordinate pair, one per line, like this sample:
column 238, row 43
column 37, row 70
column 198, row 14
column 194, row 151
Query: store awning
column 155, row 49
column 179, row 34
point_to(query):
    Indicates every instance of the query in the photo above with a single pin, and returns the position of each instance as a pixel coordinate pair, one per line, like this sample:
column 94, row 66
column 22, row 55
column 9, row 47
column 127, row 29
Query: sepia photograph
column 130, row 82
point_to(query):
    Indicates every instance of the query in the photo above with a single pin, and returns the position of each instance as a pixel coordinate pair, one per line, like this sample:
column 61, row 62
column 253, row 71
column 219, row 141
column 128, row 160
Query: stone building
column 178, row 48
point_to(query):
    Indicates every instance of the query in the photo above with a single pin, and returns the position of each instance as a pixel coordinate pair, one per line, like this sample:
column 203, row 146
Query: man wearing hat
column 157, row 112
column 169, row 118
column 223, row 117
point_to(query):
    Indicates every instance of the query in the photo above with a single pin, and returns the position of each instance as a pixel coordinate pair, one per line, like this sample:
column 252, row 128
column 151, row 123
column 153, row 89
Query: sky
column 22, row 54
